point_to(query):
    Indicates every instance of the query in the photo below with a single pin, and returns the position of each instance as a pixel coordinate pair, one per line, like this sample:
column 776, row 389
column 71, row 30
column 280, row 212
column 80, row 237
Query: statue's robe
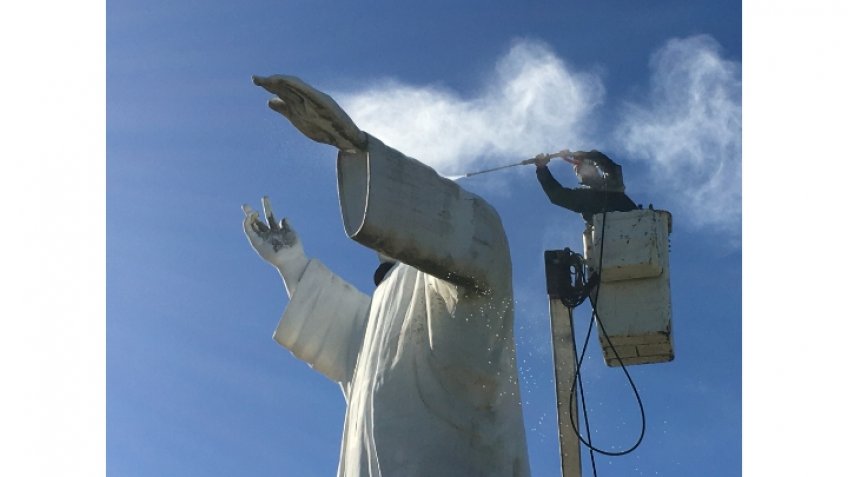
column 427, row 365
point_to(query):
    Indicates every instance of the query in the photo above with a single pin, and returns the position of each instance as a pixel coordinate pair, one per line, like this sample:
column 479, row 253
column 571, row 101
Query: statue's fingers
column 247, row 209
column 272, row 84
column 286, row 226
column 280, row 106
column 250, row 216
column 258, row 226
column 269, row 214
column 252, row 224
column 285, row 85
column 260, row 80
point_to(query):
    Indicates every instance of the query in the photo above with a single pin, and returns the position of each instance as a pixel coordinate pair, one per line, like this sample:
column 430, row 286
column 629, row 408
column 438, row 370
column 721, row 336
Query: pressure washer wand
column 522, row 163
column 565, row 154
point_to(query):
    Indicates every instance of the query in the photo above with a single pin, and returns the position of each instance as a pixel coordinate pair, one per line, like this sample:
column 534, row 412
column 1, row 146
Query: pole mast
column 565, row 365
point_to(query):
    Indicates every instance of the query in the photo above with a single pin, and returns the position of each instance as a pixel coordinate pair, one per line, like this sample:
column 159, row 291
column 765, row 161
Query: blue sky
column 194, row 384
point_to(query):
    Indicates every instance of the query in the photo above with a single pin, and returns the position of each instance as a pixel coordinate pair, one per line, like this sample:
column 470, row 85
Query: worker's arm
column 571, row 199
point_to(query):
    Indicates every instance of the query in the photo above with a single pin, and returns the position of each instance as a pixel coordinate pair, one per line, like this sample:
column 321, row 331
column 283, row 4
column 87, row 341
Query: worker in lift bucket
column 602, row 184
column 601, row 190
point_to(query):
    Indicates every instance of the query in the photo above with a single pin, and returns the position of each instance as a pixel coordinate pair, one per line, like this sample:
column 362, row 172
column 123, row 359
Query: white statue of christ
column 426, row 365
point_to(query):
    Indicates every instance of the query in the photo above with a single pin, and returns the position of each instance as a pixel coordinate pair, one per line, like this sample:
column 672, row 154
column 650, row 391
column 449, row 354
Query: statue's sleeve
column 324, row 323
column 404, row 209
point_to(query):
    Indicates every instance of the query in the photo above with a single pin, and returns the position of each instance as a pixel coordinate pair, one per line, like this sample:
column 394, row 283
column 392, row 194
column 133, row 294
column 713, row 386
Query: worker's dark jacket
column 586, row 202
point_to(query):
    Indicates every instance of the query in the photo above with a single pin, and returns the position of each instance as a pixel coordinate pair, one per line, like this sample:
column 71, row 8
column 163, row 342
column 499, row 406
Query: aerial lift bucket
column 634, row 296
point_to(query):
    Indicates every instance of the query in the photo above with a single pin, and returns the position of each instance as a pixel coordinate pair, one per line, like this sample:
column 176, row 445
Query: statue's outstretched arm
column 277, row 243
column 312, row 112
column 394, row 204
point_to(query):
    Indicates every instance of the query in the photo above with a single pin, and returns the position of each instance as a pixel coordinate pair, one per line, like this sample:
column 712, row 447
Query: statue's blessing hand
column 276, row 242
column 312, row 112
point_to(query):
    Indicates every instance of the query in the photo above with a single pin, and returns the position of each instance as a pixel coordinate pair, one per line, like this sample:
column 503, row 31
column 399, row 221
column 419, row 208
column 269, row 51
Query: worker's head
column 597, row 174
column 588, row 174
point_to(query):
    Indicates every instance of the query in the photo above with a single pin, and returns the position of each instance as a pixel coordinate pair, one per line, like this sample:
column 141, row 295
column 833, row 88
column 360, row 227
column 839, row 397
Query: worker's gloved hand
column 276, row 242
column 542, row 160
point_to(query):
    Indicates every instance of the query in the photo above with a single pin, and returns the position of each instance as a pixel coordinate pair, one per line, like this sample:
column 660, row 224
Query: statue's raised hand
column 312, row 112
column 276, row 242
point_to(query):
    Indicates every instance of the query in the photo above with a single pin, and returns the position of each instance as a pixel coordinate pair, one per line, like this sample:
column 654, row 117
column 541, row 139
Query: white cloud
column 534, row 103
column 689, row 132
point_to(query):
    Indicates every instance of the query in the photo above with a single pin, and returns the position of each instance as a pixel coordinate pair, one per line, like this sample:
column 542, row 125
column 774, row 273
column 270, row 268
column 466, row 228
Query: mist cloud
column 689, row 132
column 534, row 103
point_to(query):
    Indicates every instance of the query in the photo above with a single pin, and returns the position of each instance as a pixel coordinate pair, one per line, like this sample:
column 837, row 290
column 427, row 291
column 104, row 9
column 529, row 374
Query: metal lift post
column 565, row 365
